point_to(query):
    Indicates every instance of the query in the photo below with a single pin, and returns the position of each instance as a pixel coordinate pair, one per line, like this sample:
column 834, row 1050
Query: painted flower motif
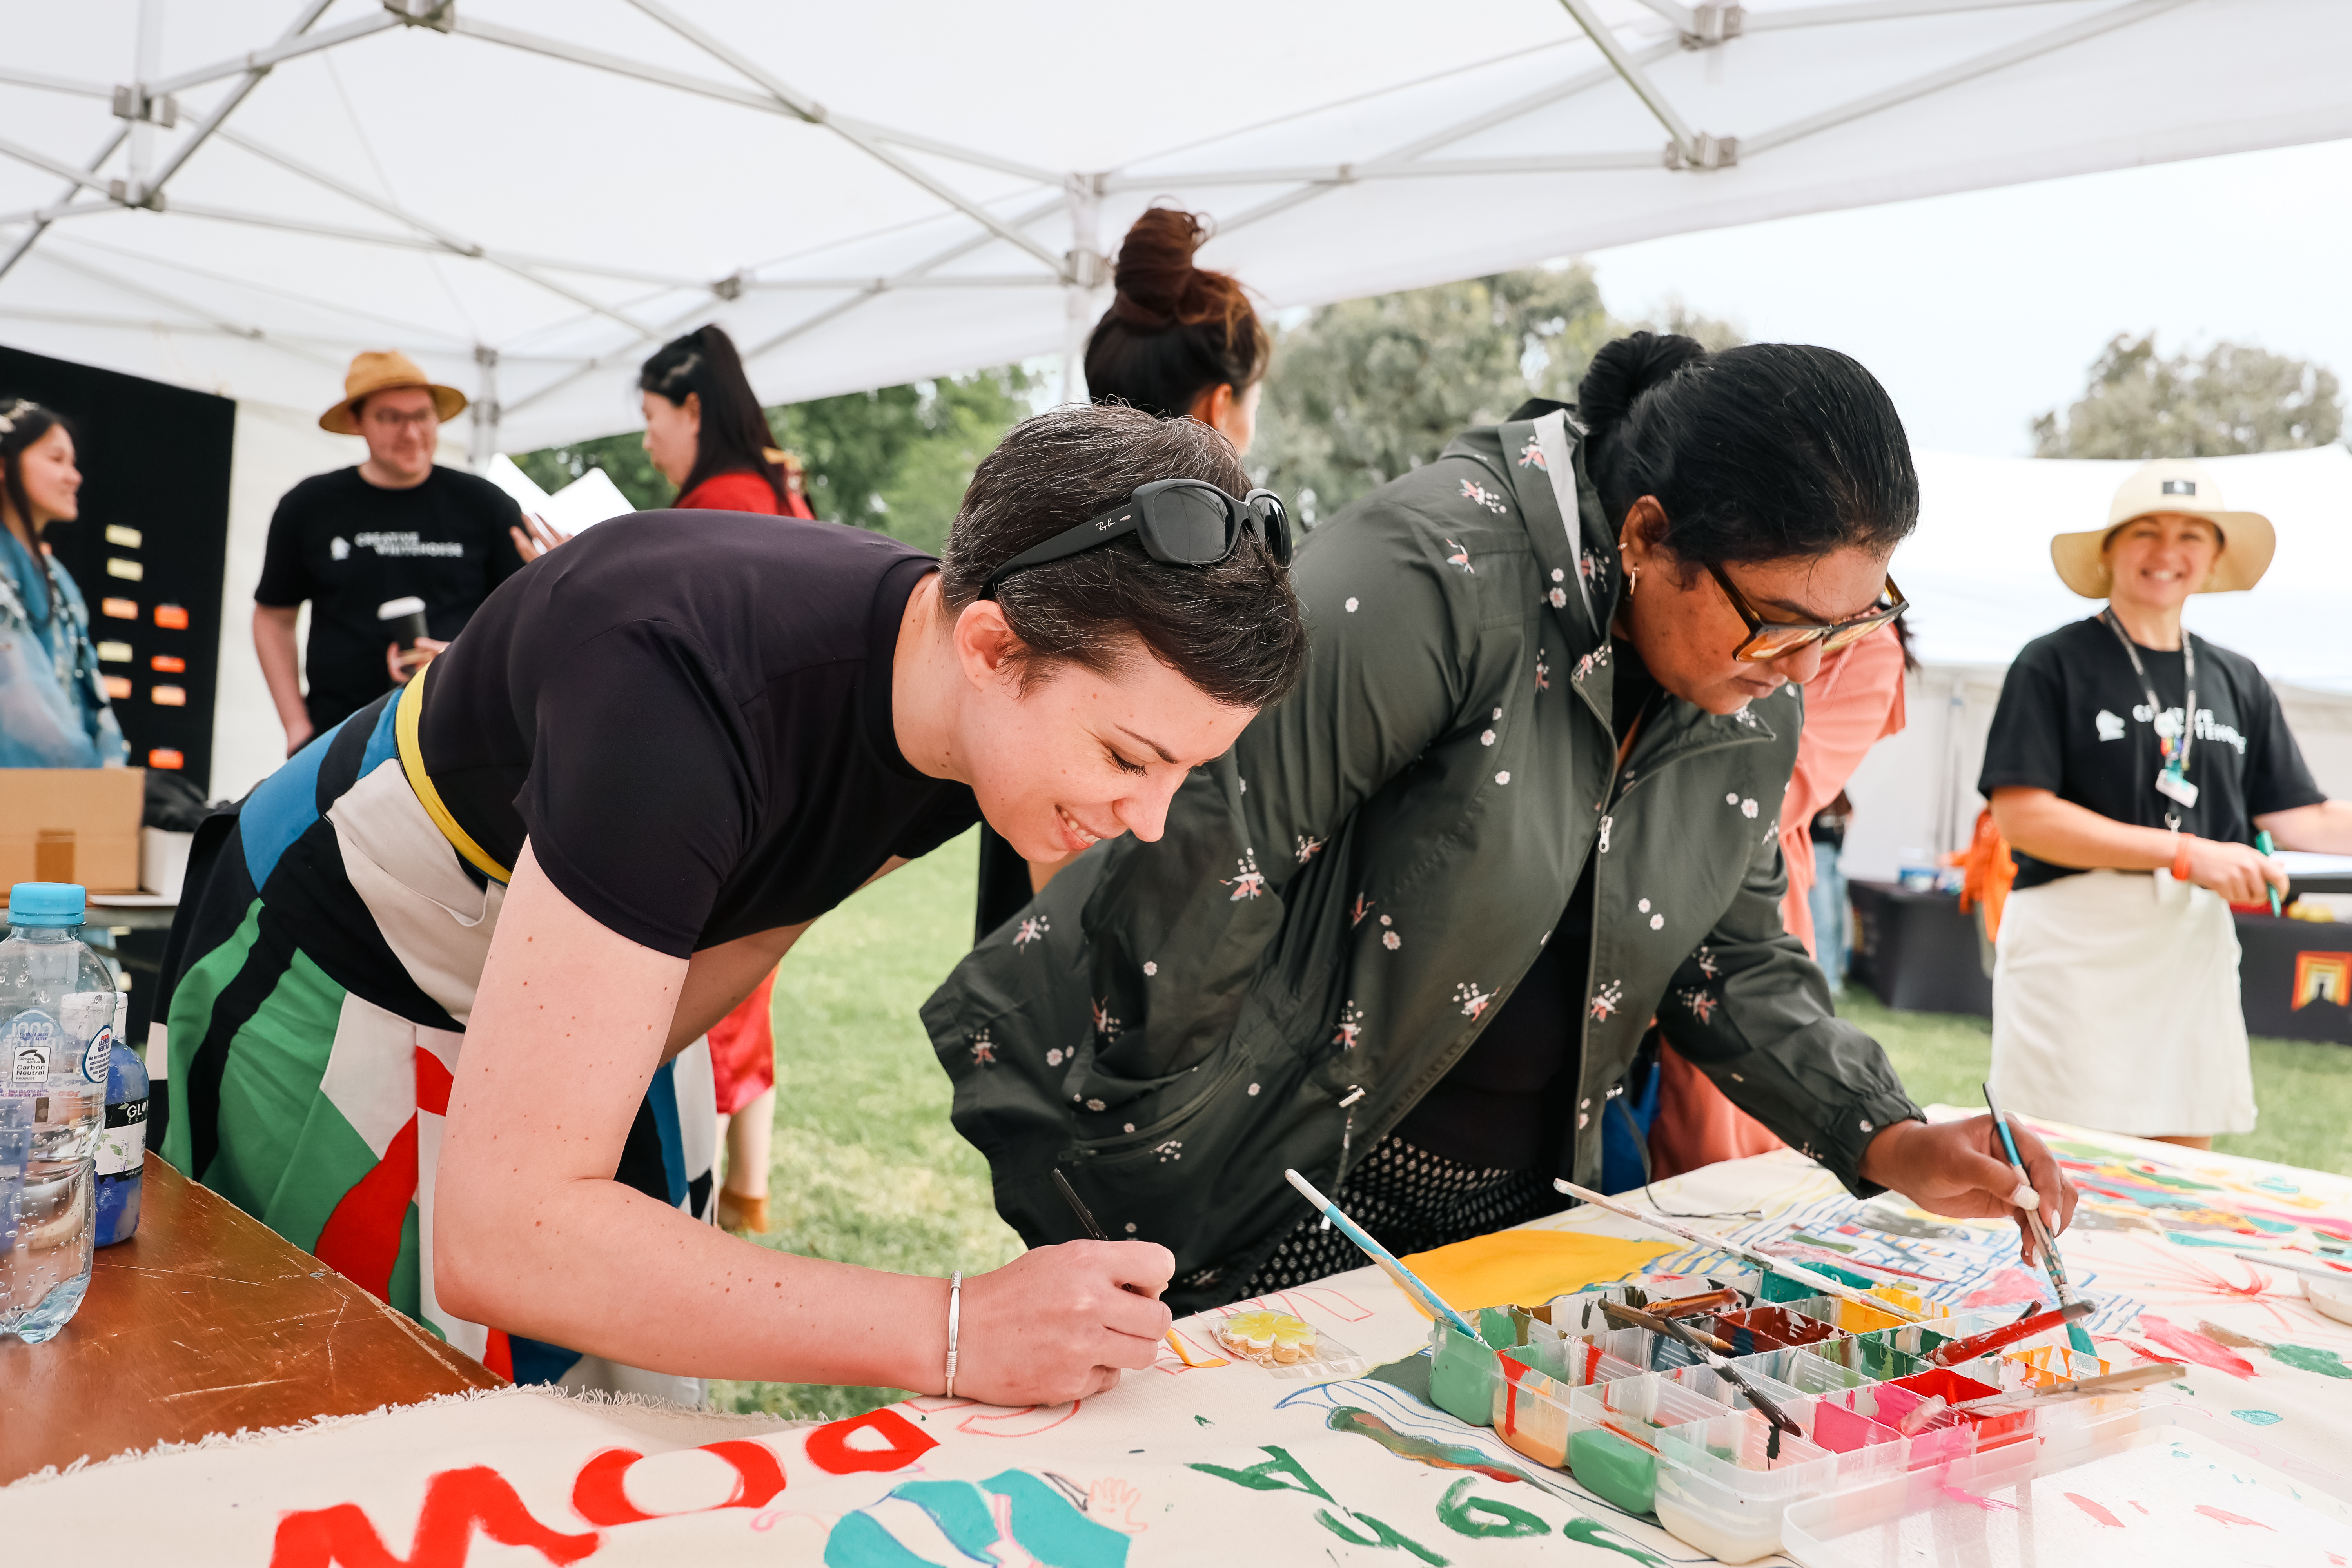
column 1353, row 602
column 1558, row 576
column 1486, row 738
column 1359, row 910
column 1594, row 566
column 1390, row 941
column 1308, row 847
column 1053, row 1056
column 1658, row 923
column 1705, row 957
column 1150, row 968
column 1543, row 671
column 1532, row 455
column 1732, row 799
column 1643, row 906
column 1744, row 716
column 1473, row 490
column 1386, row 920
column 1557, row 599
column 1244, row 785
column 1104, row 1025
column 1171, row 1149
column 1747, row 809
column 1597, row 660
column 1701, row 1002
column 1504, row 777
column 1350, row 1032
column 1248, row 881
column 1460, row 557
column 1094, row 1105
column 1474, row 1001
column 1498, row 712
column 1607, row 999
column 984, row 1050
column 1032, row 929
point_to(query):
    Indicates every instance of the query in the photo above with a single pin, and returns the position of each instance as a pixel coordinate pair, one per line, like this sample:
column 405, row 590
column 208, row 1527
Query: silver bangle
column 955, row 1322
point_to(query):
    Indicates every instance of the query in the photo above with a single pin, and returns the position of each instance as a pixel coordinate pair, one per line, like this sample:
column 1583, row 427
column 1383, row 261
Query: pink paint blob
column 2008, row 1286
column 2191, row 1346
column 2224, row 1516
column 2095, row 1510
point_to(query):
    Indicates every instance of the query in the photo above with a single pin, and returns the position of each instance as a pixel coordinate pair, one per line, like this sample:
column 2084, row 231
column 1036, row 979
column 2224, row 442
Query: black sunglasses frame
column 1149, row 514
column 1845, row 632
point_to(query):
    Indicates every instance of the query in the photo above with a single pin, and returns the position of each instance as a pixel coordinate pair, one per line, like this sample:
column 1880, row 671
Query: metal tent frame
column 1034, row 227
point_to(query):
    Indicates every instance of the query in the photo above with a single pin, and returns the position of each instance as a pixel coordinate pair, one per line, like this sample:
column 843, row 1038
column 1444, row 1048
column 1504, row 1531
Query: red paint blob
column 2226, row 1517
column 2192, row 1346
column 2095, row 1510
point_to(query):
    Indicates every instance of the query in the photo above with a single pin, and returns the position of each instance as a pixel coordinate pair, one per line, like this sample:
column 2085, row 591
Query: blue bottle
column 122, row 1141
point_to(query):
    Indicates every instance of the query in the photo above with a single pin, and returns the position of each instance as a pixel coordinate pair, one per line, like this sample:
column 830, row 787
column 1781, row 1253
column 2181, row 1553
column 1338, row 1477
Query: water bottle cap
column 46, row 904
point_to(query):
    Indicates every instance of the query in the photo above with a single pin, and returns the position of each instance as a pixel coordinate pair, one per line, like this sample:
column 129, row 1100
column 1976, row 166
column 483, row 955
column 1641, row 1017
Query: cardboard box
column 72, row 825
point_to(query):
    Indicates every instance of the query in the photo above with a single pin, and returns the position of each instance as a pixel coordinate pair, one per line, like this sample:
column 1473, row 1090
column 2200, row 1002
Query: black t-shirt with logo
column 689, row 714
column 2075, row 719
column 347, row 546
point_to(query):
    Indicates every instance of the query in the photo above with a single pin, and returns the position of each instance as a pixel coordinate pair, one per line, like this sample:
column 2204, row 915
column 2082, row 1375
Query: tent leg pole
column 1083, row 271
column 485, row 408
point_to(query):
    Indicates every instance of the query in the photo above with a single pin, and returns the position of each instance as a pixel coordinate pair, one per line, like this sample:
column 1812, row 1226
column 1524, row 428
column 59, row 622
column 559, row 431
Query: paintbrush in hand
column 2078, row 1336
column 1086, row 1218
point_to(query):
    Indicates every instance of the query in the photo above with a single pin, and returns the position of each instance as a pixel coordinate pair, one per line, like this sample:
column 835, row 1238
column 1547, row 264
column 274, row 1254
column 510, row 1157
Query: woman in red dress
column 706, row 432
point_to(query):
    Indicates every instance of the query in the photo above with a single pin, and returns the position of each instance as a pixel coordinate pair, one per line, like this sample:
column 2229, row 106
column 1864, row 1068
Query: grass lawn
column 868, row 1171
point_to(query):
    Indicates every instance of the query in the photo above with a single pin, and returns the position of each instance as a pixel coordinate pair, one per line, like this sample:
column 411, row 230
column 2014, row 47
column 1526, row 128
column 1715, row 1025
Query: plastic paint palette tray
column 1330, row 1363
column 2142, row 1487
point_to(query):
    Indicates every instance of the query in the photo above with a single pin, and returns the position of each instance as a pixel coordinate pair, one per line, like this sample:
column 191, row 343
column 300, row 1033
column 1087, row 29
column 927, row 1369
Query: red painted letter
column 829, row 1449
column 456, row 1503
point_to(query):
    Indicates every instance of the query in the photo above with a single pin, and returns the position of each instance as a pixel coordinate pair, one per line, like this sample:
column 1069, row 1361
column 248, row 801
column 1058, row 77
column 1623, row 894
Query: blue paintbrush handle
column 1412, row 1282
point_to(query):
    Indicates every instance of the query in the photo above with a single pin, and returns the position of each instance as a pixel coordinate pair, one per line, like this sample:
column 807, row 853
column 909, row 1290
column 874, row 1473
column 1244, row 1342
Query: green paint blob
column 1203, row 1420
column 1382, row 1535
column 1484, row 1519
column 1462, row 1377
column 2327, row 1363
column 1622, row 1473
column 1592, row 1532
column 1428, row 1451
column 1279, row 1474
column 1497, row 1327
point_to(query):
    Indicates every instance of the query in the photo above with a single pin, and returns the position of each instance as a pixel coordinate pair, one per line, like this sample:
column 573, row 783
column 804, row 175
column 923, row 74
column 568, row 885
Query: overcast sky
column 1981, row 311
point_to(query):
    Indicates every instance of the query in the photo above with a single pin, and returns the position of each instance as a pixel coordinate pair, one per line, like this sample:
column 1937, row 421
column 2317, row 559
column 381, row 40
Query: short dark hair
column 1757, row 453
column 1235, row 629
column 735, row 437
column 1173, row 330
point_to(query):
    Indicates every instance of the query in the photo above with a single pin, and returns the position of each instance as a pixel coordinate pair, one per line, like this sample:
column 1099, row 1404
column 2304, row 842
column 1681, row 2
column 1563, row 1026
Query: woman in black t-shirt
column 606, row 812
column 2115, row 1000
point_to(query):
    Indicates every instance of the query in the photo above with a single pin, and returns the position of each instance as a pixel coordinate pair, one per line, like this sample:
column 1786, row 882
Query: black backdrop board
column 1917, row 952
column 150, row 547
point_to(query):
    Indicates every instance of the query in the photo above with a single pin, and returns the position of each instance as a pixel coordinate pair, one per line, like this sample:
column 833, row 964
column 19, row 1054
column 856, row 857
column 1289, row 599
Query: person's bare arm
column 281, row 668
column 2065, row 834
column 532, row 1235
column 2325, row 828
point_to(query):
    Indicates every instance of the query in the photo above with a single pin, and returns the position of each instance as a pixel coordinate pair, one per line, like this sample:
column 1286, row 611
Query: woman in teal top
column 53, row 710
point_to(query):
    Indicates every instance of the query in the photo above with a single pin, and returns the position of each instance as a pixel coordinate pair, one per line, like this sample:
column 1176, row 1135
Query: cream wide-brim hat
column 2170, row 484
column 382, row 371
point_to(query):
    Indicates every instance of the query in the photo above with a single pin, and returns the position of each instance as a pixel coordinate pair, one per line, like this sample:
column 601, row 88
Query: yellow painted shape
column 1528, row 1267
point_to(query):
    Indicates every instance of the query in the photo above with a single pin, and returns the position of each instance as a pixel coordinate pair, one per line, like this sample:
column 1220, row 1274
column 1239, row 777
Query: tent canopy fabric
column 527, row 195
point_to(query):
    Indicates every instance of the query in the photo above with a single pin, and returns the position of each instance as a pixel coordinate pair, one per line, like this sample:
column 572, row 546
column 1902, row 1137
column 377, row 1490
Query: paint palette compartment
column 2147, row 1487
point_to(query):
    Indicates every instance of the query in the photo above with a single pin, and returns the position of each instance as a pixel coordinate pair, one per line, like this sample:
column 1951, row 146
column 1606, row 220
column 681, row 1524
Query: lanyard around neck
column 2176, row 760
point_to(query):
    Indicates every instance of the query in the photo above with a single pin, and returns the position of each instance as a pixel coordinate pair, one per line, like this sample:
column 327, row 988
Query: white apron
column 2115, row 1006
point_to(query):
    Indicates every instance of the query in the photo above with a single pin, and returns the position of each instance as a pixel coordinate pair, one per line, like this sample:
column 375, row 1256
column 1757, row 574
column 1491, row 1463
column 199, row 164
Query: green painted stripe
column 269, row 1090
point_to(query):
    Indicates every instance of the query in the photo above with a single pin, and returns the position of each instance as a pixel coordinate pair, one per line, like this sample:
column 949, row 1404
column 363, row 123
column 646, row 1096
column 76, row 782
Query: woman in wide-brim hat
column 2130, row 765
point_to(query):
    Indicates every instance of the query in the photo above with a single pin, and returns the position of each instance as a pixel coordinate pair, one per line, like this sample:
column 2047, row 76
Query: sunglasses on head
column 1185, row 522
column 1770, row 640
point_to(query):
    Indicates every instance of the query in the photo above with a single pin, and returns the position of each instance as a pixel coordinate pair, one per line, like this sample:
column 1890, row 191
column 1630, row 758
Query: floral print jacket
column 1341, row 902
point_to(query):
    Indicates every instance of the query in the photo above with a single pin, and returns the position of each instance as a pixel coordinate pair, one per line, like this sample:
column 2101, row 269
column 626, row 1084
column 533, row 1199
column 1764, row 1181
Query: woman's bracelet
column 955, row 1322
column 2180, row 843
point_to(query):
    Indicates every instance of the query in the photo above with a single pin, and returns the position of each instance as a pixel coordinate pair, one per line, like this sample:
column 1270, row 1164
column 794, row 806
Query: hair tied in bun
column 1627, row 367
column 1174, row 329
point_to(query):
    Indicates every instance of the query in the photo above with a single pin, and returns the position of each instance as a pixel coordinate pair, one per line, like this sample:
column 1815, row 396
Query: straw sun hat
column 2170, row 484
column 373, row 372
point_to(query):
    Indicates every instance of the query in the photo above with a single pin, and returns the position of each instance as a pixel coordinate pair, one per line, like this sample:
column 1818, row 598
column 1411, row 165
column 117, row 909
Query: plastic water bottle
column 122, row 1141
column 57, row 1044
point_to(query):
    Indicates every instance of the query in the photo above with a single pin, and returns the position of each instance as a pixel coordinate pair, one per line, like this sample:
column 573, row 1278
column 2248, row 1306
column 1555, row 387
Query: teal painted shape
column 1053, row 1531
column 961, row 1513
column 2258, row 1417
column 1494, row 1327
column 1461, row 1378
column 859, row 1541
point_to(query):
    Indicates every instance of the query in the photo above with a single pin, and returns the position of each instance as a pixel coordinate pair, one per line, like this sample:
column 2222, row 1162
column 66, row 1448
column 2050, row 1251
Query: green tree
column 1368, row 389
column 896, row 459
column 2233, row 398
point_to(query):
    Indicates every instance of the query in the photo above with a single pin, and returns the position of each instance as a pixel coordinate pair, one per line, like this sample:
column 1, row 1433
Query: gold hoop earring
column 1632, row 576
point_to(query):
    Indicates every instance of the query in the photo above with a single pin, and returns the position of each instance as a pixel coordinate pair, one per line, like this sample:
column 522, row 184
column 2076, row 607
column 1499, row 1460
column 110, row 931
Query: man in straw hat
column 396, row 527
column 2131, row 764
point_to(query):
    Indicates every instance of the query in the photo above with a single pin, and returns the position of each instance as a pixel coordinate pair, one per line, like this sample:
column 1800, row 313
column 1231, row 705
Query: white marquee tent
column 527, row 195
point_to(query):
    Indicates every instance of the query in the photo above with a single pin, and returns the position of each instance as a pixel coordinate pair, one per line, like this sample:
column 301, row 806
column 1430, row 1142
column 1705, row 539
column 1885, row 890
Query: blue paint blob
column 2258, row 1417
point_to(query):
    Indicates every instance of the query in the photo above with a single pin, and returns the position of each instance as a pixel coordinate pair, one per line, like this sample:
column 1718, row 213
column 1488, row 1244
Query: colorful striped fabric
column 313, row 1029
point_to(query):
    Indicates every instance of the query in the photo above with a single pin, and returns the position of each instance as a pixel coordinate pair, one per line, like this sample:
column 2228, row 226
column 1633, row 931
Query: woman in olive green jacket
column 1407, row 935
